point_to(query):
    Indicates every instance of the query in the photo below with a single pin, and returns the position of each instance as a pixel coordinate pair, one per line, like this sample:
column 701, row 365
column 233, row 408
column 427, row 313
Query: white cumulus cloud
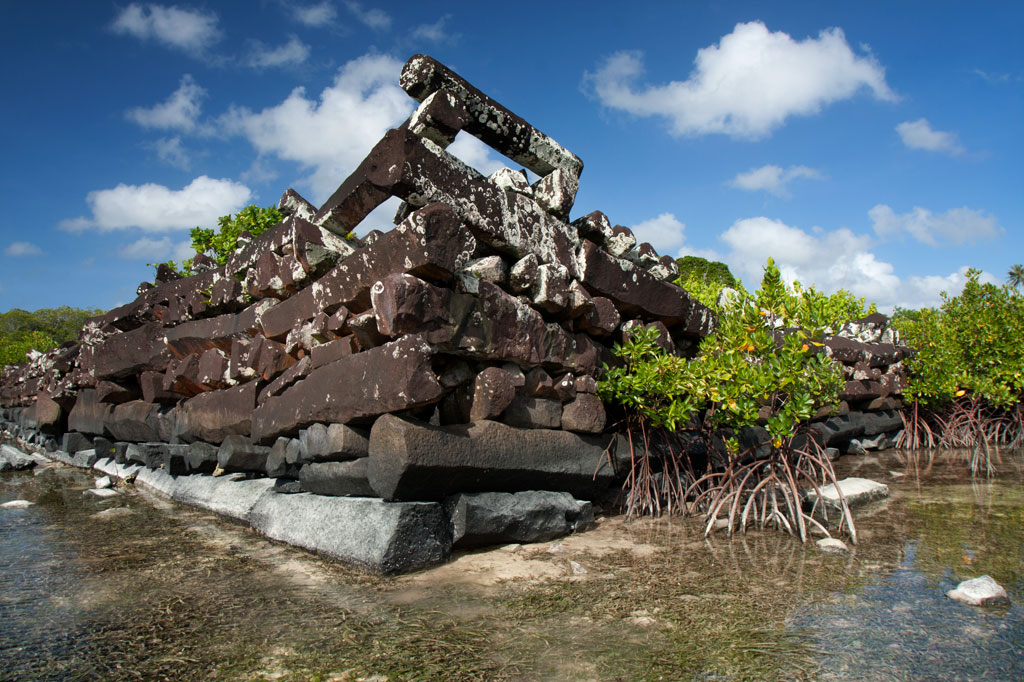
column 829, row 261
column 156, row 208
column 666, row 233
column 170, row 151
column 190, row 30
column 23, row 249
column 293, row 52
column 177, row 112
column 157, row 250
column 773, row 179
column 317, row 15
column 436, row 32
column 333, row 133
column 476, row 154
column 955, row 226
column 919, row 135
column 374, row 18
column 747, row 85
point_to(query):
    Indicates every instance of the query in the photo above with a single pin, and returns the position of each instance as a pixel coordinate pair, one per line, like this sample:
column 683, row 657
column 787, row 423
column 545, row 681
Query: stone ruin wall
column 456, row 354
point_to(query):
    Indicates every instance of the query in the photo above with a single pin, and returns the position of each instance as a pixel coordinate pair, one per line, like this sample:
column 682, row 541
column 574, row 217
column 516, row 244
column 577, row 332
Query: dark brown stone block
column 152, row 386
column 115, row 394
column 404, row 304
column 636, row 292
column 493, row 390
column 198, row 336
column 135, row 422
column 584, row 414
column 89, row 415
column 214, row 415
column 130, row 353
column 329, row 352
column 395, row 376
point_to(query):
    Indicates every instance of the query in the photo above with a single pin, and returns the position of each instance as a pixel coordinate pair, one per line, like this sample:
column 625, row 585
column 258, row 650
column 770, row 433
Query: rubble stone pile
column 449, row 364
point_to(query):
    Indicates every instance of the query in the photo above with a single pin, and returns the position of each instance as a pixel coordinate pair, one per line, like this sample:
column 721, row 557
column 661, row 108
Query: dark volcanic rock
column 414, row 461
column 129, row 353
column 529, row 516
column 214, row 415
column 493, row 390
column 383, row 537
column 584, row 414
column 89, row 415
column 533, row 413
column 395, row 376
column 333, row 442
column 338, row 479
column 239, row 453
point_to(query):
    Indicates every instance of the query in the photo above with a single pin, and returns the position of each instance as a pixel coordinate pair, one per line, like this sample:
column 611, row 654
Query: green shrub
column 744, row 372
column 219, row 244
column 972, row 345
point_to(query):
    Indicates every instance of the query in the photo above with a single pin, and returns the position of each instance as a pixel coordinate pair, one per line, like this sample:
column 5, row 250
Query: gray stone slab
column 856, row 492
column 111, row 468
column 384, row 537
column 13, row 459
column 231, row 496
column 156, row 481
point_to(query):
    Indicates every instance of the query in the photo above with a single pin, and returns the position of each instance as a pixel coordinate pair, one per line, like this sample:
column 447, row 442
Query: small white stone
column 577, row 568
column 102, row 493
column 832, row 546
column 17, row 504
column 983, row 591
column 104, row 482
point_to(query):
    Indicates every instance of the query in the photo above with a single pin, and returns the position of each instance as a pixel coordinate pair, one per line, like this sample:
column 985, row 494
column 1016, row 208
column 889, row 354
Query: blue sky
column 871, row 146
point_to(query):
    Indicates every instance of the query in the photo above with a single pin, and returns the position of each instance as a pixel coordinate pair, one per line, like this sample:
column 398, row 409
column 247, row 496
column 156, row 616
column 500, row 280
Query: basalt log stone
column 430, row 244
column 197, row 336
column 412, row 460
column 533, row 413
column 584, row 414
column 395, row 376
column 130, row 353
column 439, row 118
column 488, row 120
column 239, row 453
column 136, row 421
column 214, row 415
column 638, row 293
column 89, row 415
column 531, row 516
column 337, row 479
column 49, row 415
column 380, row 536
column 333, row 442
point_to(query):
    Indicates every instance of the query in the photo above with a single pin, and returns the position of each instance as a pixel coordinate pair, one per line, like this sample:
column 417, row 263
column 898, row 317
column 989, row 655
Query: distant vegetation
column 47, row 328
column 967, row 379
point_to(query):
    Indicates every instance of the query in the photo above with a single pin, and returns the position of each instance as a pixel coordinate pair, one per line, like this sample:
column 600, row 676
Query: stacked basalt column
column 458, row 352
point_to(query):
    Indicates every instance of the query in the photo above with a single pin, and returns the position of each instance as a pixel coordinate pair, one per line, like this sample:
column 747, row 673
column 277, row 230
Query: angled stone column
column 490, row 121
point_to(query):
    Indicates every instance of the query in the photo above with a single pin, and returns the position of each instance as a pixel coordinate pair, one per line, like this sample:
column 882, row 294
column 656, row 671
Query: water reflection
column 153, row 591
column 900, row 625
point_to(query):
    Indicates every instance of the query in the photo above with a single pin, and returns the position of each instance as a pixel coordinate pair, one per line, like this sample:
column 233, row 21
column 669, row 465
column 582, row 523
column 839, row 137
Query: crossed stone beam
column 488, row 120
column 416, row 168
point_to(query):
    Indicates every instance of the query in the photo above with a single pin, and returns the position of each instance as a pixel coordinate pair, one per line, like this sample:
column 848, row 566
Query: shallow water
column 154, row 591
